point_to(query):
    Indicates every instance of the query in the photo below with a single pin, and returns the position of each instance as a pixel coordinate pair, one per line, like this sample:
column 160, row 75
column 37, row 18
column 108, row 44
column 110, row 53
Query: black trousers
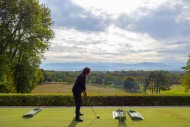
column 78, row 102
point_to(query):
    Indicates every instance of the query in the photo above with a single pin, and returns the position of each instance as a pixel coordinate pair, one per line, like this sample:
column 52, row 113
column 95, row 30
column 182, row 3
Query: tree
column 118, row 82
column 40, row 76
column 187, row 67
column 186, row 82
column 47, row 76
column 99, row 79
column 25, row 31
column 158, row 80
column 130, row 84
column 108, row 79
column 6, row 79
column 70, row 80
column 186, row 78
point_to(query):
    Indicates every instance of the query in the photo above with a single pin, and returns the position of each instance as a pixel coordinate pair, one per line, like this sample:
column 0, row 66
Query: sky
column 119, row 31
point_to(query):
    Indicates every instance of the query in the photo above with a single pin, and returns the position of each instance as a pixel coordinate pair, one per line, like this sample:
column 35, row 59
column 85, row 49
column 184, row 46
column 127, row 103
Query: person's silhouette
column 78, row 88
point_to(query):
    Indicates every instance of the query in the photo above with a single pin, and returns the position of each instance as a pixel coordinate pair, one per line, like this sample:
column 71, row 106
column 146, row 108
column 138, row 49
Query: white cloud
column 184, row 16
column 113, row 45
column 168, row 22
column 67, row 14
column 119, row 31
column 117, row 6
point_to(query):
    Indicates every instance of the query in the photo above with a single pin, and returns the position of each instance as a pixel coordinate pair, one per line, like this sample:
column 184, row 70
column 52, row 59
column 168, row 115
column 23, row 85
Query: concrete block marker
column 31, row 113
column 135, row 115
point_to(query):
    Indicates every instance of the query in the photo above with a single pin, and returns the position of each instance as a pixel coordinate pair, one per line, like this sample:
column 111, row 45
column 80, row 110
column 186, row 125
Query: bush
column 63, row 100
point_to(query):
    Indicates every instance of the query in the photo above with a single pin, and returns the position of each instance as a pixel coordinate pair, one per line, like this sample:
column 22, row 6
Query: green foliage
column 25, row 78
column 114, row 79
column 99, row 79
column 47, row 76
column 25, row 28
column 118, row 82
column 187, row 67
column 40, row 76
column 130, row 84
column 186, row 82
column 62, row 100
column 6, row 85
column 186, row 78
column 6, row 79
column 108, row 80
column 70, row 80
column 158, row 80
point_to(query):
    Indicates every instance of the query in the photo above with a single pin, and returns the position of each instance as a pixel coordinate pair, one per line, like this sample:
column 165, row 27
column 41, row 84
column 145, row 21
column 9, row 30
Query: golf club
column 98, row 117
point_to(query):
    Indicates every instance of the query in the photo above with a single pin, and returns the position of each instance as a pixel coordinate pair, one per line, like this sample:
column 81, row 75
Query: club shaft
column 93, row 111
column 92, row 108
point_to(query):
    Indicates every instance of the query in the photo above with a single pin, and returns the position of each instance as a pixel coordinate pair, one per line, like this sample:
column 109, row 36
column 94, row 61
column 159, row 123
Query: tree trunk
column 19, row 58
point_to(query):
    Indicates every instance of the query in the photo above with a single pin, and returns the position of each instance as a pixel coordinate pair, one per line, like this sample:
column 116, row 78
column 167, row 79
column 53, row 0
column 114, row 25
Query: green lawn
column 63, row 117
column 176, row 90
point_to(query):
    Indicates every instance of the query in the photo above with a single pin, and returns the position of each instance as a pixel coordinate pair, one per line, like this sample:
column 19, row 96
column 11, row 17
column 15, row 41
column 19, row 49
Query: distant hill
column 76, row 66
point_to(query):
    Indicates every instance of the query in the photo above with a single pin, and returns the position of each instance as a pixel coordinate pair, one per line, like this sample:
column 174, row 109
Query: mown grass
column 67, row 89
column 176, row 90
column 94, row 90
column 64, row 117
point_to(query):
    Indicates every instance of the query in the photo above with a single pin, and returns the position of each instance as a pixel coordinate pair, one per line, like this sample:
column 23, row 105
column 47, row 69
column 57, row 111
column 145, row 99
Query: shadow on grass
column 27, row 117
column 122, row 124
column 73, row 123
column 91, row 122
column 136, row 120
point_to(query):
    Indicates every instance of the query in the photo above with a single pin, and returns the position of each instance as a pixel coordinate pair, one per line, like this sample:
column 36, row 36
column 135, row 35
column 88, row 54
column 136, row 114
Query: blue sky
column 119, row 31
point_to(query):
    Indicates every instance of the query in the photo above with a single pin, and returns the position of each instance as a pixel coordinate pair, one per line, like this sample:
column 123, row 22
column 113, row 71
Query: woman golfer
column 78, row 88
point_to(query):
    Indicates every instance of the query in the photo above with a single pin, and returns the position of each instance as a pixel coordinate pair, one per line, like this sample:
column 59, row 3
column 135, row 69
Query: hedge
column 67, row 100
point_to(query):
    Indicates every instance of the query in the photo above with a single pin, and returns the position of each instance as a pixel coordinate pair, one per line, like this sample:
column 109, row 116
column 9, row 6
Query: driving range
column 172, row 116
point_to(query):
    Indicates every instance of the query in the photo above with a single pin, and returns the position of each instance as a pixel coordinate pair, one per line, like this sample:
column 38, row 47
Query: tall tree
column 187, row 67
column 25, row 28
column 158, row 80
column 186, row 78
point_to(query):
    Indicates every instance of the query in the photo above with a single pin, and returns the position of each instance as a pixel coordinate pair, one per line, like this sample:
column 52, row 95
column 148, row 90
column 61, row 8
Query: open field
column 63, row 117
column 58, row 88
column 67, row 89
column 175, row 90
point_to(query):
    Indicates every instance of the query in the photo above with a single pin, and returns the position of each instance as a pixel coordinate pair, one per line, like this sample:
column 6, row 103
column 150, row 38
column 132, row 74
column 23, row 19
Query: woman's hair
column 86, row 70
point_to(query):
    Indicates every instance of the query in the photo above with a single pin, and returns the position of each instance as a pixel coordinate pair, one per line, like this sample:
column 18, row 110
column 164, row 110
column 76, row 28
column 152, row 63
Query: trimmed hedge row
column 63, row 100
